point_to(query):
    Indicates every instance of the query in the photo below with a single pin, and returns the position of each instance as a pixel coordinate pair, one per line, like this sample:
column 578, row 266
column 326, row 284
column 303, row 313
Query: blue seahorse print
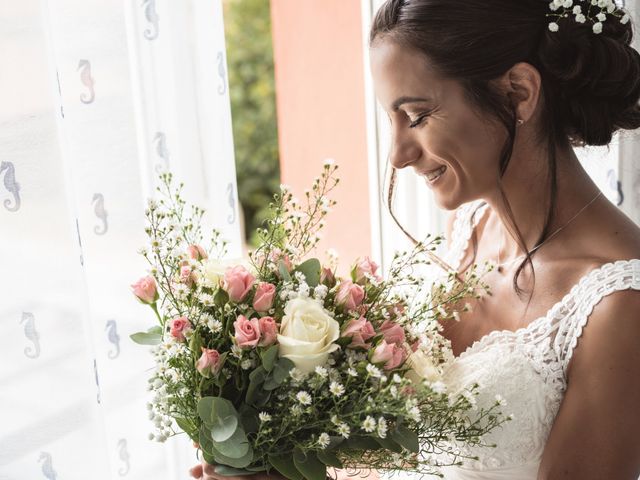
column 84, row 66
column 151, row 15
column 222, row 88
column 47, row 466
column 29, row 322
column 231, row 218
column 101, row 213
column 160, row 142
column 114, row 338
column 124, row 457
column 11, row 185
column 616, row 186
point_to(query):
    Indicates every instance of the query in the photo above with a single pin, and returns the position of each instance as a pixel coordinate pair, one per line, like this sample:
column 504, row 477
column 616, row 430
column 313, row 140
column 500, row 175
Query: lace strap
column 467, row 217
column 578, row 305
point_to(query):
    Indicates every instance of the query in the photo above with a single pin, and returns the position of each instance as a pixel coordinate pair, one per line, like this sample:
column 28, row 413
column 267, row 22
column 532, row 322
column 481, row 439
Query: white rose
column 422, row 368
column 307, row 334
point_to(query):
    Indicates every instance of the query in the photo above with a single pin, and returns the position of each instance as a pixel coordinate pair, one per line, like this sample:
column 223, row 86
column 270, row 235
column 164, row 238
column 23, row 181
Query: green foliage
column 252, row 91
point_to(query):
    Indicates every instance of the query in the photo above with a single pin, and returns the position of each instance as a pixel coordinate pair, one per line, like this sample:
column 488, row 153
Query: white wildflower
column 303, row 397
column 577, row 9
column 396, row 378
column 373, row 371
column 352, row 372
column 214, row 325
column 382, row 427
column 597, row 27
column 236, row 351
column 328, row 162
column 297, row 375
column 320, row 292
column 369, row 424
column 335, row 420
column 284, row 188
column 601, row 16
column 296, row 410
column 625, row 19
column 580, row 18
column 264, row 417
column 553, row 26
column 414, row 413
column 246, row 364
column 393, row 390
column 336, row 389
column 500, row 400
column 344, row 430
column 324, row 440
column 321, row 372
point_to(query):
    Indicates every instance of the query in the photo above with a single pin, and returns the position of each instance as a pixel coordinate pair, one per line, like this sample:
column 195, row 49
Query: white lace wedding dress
column 527, row 367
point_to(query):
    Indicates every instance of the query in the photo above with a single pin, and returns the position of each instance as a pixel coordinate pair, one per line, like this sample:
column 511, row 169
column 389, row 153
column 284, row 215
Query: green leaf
column 208, row 457
column 204, row 439
column 236, row 446
column 406, row 437
column 311, row 270
column 284, row 273
column 362, row 443
column 220, row 416
column 257, row 468
column 195, row 344
column 256, row 380
column 249, row 418
column 284, row 464
column 220, row 298
column 157, row 330
column 329, row 458
column 225, row 471
column 144, row 338
column 389, row 444
column 281, row 369
column 309, row 466
column 242, row 462
column 269, row 357
column 188, row 427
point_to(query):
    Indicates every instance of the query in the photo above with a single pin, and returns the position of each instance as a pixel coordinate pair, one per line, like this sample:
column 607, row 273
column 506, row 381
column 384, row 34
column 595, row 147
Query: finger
column 208, row 469
column 196, row 472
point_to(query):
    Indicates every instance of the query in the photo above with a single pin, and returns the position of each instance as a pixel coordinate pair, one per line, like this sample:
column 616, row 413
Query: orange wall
column 319, row 73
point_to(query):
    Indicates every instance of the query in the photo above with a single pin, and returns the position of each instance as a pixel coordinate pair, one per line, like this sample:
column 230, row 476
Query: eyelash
column 419, row 120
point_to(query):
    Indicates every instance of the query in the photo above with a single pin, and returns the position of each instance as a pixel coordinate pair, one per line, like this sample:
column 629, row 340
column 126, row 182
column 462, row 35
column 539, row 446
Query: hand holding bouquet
column 279, row 364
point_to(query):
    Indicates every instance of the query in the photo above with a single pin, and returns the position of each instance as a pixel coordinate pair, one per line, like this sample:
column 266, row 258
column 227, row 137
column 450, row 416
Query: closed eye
column 421, row 118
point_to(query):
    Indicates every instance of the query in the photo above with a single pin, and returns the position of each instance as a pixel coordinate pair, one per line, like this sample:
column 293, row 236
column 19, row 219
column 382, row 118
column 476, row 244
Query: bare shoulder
column 617, row 236
column 603, row 392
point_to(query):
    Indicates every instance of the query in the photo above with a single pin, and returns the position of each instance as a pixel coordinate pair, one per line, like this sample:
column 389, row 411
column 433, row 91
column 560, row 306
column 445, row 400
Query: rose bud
column 237, row 283
column 268, row 330
column 179, row 326
column 196, row 252
column 209, row 362
column 263, row 298
column 391, row 354
column 186, row 275
column 247, row 331
column 359, row 330
column 363, row 268
column 145, row 289
column 393, row 333
column 349, row 295
column 327, row 277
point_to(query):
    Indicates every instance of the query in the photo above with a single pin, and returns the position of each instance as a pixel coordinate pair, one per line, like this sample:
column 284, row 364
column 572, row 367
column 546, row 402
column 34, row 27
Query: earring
column 520, row 121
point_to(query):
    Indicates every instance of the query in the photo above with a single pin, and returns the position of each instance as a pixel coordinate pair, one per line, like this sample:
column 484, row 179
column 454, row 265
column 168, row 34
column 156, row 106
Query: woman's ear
column 522, row 84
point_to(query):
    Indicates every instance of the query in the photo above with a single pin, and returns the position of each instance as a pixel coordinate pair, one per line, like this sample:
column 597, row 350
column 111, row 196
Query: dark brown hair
column 590, row 83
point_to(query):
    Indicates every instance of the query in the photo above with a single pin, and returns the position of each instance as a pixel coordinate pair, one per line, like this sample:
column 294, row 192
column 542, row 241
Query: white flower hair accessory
column 595, row 11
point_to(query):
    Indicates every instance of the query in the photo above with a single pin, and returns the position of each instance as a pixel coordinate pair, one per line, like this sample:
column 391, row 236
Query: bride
column 486, row 100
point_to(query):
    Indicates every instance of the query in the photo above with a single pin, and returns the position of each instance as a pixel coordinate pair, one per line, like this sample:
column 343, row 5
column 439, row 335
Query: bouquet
column 277, row 363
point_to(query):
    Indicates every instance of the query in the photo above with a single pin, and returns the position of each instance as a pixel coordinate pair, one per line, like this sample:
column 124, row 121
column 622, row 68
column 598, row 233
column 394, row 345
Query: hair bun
column 596, row 78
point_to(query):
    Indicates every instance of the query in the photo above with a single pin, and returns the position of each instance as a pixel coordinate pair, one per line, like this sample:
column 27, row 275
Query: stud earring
column 520, row 121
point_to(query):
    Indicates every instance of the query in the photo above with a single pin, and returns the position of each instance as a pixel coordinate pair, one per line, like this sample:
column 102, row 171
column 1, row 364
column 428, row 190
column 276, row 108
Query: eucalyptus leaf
column 188, row 427
column 220, row 298
column 311, row 269
column 269, row 357
column 389, row 444
column 144, row 338
column 241, row 462
column 308, row 464
column 284, row 273
column 329, row 458
column 220, row 416
column 236, row 446
column 157, row 330
column 362, row 443
column 281, row 369
column 406, row 437
column 225, row 471
column 284, row 464
column 256, row 380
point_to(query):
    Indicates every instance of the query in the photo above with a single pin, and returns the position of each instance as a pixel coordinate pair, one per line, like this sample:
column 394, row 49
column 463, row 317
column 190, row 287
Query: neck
column 526, row 188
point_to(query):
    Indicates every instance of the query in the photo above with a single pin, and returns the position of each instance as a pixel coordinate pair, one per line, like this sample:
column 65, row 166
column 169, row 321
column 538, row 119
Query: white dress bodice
column 527, row 367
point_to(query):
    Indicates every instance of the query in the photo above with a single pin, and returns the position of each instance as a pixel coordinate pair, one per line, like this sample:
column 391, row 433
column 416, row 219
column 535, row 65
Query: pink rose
column 268, row 330
column 327, row 277
column 145, row 289
column 237, row 282
column 393, row 333
column 196, row 252
column 391, row 354
column 186, row 275
column 362, row 268
column 263, row 299
column 209, row 362
column 179, row 326
column 349, row 295
column 247, row 331
column 359, row 330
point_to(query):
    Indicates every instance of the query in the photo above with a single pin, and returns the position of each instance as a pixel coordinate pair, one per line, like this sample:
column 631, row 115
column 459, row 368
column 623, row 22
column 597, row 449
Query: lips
column 433, row 175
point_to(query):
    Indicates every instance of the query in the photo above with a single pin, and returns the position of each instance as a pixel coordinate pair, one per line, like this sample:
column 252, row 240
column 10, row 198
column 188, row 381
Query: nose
column 404, row 151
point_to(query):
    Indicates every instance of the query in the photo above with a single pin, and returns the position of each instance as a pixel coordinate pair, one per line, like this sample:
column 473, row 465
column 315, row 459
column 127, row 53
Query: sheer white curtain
column 97, row 96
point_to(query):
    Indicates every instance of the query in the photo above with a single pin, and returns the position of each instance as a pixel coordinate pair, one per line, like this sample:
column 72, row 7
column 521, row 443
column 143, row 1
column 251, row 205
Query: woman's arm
column 596, row 434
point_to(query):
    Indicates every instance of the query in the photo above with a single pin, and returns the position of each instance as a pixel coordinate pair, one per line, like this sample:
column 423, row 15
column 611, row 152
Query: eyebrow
column 402, row 100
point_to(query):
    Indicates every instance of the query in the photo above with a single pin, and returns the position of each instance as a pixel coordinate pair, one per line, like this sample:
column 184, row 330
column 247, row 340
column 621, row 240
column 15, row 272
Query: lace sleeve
column 612, row 277
column 462, row 230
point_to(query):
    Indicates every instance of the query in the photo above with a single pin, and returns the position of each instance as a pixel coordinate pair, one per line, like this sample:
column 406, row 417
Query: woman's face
column 434, row 128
